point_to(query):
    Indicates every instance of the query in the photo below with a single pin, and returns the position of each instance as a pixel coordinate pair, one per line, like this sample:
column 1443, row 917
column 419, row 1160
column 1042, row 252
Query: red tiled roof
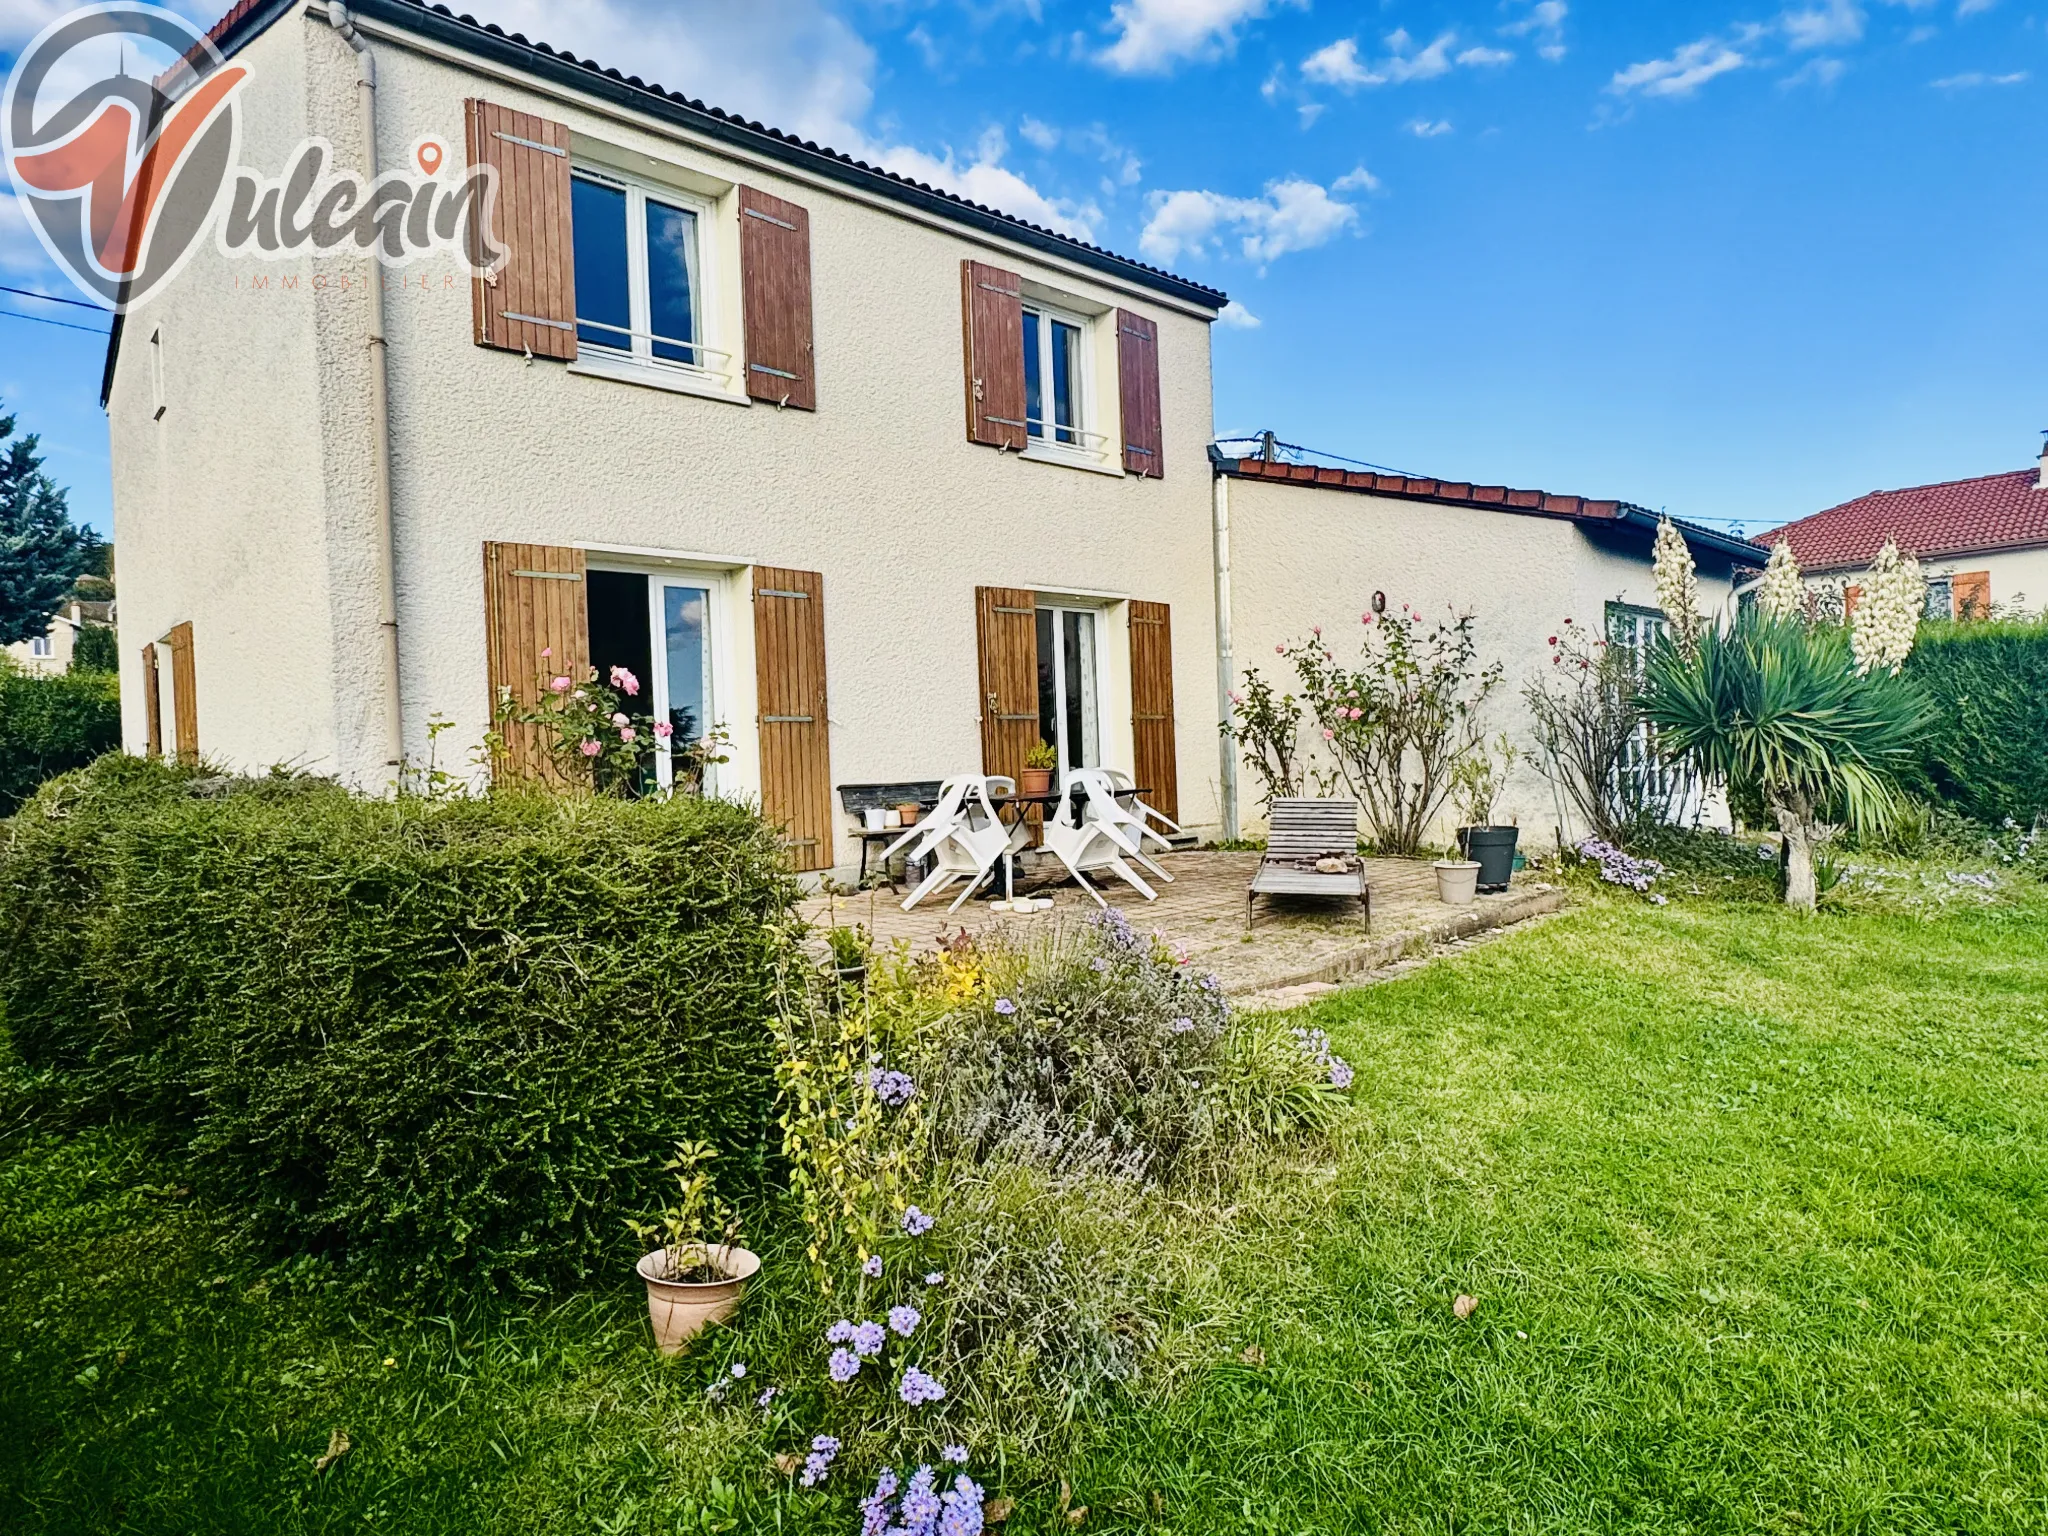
column 1954, row 518
column 1639, row 520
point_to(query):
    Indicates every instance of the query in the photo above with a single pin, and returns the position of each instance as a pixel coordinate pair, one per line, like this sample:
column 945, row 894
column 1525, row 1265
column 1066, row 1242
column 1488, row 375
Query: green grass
column 1755, row 1209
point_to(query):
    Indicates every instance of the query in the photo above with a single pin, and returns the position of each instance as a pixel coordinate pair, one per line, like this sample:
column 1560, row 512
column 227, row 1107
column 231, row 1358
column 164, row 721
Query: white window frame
column 1092, row 446
column 713, row 365
column 1100, row 619
column 42, row 646
column 712, row 585
column 1945, row 584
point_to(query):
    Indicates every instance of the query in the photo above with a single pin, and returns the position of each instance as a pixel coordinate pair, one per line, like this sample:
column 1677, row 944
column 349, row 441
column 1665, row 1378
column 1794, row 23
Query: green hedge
column 1986, row 753
column 452, row 1040
column 51, row 723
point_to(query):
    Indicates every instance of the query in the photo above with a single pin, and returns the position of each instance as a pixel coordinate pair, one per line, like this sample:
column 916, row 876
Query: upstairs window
column 639, row 289
column 39, row 645
column 1056, row 394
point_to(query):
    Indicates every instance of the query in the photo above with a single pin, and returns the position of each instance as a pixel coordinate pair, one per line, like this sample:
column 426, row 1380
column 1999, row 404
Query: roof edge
column 1489, row 498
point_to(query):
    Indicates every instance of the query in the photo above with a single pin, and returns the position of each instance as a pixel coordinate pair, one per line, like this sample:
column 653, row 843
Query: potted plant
column 851, row 948
column 696, row 1277
column 1039, row 762
column 1476, row 784
column 1457, row 881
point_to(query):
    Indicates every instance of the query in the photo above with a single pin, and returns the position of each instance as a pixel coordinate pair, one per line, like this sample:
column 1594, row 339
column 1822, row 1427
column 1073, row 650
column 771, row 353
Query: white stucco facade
column 1303, row 555
column 2018, row 577
column 243, row 478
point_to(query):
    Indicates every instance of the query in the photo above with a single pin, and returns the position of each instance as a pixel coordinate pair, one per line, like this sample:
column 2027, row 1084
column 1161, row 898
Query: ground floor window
column 1941, row 597
column 1069, row 715
column 660, row 629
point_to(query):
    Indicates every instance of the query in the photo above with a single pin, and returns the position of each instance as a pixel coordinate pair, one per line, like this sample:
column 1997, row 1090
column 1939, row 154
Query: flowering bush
column 1887, row 619
column 593, row 737
column 1399, row 723
column 1592, row 739
column 1617, row 867
column 1267, row 730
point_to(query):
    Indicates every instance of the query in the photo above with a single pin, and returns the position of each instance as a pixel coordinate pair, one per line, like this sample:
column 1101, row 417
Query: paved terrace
column 1291, row 942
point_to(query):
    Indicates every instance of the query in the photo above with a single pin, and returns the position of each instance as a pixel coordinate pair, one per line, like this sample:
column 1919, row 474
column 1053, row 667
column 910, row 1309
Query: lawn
column 1754, row 1209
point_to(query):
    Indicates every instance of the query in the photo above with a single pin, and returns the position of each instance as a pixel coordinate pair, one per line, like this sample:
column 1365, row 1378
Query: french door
column 1069, row 668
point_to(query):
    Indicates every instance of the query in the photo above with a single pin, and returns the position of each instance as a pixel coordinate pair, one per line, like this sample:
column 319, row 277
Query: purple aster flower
column 902, row 1320
column 819, row 1462
column 738, row 1370
column 921, row 1506
column 873, row 1267
column 843, row 1365
column 1340, row 1072
column 1098, row 964
column 868, row 1339
column 768, row 1395
column 916, row 1222
column 840, row 1332
column 1181, row 1026
column 892, row 1088
column 962, row 1513
column 917, row 1389
column 936, row 1277
column 957, row 1454
column 1005, row 1007
column 876, row 1509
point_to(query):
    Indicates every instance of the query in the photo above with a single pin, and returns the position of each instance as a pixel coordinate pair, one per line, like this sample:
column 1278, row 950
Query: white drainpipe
column 1226, row 668
column 380, row 401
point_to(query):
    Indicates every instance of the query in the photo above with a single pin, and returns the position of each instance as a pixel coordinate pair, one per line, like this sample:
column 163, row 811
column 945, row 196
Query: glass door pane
column 1080, row 746
column 686, row 630
column 1048, row 680
column 604, row 285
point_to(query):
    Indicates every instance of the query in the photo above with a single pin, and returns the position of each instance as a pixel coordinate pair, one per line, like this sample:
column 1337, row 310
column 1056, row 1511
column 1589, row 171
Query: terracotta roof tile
column 2008, row 511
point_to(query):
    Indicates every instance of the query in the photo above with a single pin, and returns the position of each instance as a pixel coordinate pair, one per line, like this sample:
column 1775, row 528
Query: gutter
column 1226, row 664
column 343, row 22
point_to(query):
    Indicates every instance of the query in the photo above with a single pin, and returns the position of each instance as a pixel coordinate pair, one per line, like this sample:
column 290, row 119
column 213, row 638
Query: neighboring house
column 1305, row 544
column 885, row 483
column 1981, row 542
column 51, row 652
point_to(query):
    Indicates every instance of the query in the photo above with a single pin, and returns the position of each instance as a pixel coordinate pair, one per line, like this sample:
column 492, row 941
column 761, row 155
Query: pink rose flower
column 1328, row 734
column 627, row 733
column 623, row 679
column 546, row 651
column 559, row 685
column 1279, row 650
column 618, row 719
column 591, row 749
column 663, row 730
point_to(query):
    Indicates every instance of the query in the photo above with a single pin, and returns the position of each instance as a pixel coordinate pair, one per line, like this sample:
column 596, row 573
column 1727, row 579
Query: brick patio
column 1291, row 942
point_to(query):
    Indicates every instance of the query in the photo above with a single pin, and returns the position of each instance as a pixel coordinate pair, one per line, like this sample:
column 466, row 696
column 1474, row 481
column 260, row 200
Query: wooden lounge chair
column 1303, row 831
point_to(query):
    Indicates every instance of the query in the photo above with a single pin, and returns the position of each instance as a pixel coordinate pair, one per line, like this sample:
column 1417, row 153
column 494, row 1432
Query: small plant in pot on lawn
column 697, row 1275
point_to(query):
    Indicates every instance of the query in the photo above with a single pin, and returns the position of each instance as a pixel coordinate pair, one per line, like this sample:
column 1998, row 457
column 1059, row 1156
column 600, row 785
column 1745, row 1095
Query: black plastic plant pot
column 1493, row 850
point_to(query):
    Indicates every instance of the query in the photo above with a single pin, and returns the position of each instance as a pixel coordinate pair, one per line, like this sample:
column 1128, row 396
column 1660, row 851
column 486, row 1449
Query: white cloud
column 1832, row 25
column 1974, row 78
column 1545, row 22
column 1154, row 35
column 1293, row 215
column 1238, row 318
column 1683, row 73
column 1972, row 7
column 983, row 178
column 1339, row 63
column 1823, row 71
column 1039, row 135
column 1423, row 128
column 1357, row 179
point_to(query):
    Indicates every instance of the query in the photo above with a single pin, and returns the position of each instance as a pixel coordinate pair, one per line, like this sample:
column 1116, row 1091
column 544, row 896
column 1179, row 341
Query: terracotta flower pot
column 1457, row 881
column 1034, row 781
column 908, row 812
column 681, row 1309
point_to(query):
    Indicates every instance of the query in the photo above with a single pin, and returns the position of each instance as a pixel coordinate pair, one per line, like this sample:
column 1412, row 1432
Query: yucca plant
column 1777, row 712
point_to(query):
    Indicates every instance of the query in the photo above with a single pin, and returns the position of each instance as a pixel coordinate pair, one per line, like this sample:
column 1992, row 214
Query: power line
column 51, row 298
column 90, row 330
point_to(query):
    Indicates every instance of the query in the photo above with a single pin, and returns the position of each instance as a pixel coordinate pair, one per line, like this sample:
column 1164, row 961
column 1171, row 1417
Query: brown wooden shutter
column 1851, row 596
column 1152, row 733
column 1006, row 629
column 992, row 325
column 789, row 673
column 529, row 303
column 775, row 292
column 184, row 694
column 534, row 601
column 1137, row 366
column 152, row 702
column 1972, row 594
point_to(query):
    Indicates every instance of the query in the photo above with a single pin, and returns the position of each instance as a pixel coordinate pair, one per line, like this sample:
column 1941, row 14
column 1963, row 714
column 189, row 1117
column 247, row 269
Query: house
column 884, row 483
column 1305, row 543
column 1981, row 542
column 51, row 651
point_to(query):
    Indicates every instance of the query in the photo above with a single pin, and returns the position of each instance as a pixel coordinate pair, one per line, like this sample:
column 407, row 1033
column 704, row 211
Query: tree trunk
column 1802, row 891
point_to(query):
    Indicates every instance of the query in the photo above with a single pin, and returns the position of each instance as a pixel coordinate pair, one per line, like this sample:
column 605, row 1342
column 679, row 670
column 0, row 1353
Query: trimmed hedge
column 453, row 1040
column 51, row 723
column 1986, row 751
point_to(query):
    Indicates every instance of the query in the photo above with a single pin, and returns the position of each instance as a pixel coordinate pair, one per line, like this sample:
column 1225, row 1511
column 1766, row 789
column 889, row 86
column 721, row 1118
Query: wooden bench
column 885, row 797
column 1303, row 831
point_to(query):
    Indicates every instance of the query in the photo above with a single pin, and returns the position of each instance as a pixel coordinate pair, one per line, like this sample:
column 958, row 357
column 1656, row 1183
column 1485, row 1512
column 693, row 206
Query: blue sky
column 1737, row 261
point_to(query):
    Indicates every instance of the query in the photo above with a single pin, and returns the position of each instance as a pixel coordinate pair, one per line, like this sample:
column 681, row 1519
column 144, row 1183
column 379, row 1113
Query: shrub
column 1984, row 751
column 95, row 648
column 454, row 1039
column 1591, row 737
column 51, row 723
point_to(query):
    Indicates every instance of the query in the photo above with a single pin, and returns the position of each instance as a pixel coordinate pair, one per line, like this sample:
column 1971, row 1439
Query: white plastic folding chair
column 1124, row 827
column 1144, row 814
column 963, row 836
column 1080, row 838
